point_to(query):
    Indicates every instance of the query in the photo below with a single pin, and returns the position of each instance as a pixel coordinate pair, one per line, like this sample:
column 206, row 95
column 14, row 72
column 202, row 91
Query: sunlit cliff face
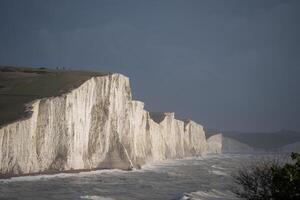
column 97, row 125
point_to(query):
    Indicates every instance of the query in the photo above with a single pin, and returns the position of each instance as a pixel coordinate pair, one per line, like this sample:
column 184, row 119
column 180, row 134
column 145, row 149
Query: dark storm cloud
column 226, row 64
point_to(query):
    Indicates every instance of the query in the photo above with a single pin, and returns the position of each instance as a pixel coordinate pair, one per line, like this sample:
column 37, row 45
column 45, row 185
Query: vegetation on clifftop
column 21, row 85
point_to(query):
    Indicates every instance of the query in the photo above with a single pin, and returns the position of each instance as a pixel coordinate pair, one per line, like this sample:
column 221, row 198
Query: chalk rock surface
column 95, row 126
column 220, row 144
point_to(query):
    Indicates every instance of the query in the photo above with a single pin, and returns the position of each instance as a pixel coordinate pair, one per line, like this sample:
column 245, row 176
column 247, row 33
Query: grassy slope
column 20, row 85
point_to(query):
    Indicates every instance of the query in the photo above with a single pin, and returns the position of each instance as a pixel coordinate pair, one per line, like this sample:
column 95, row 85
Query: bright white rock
column 95, row 126
column 220, row 144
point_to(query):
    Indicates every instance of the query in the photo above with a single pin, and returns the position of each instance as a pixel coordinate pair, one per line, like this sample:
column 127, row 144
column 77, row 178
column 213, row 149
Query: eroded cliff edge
column 95, row 126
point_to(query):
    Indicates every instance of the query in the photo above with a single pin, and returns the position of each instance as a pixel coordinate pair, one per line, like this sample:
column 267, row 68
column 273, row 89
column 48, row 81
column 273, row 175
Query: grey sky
column 226, row 64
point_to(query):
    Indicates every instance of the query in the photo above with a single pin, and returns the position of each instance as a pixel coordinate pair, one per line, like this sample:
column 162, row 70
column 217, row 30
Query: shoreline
column 10, row 176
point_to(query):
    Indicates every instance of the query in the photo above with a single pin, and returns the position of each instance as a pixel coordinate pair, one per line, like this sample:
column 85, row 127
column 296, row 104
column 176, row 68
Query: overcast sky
column 230, row 65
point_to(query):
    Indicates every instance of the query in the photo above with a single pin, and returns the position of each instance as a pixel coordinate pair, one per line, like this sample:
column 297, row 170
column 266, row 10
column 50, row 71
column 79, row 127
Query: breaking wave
column 209, row 195
column 61, row 175
column 96, row 197
column 219, row 173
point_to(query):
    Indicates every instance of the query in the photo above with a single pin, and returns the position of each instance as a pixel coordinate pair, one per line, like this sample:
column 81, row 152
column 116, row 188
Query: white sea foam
column 155, row 166
column 209, row 195
column 218, row 167
column 209, row 179
column 61, row 175
column 218, row 172
column 94, row 197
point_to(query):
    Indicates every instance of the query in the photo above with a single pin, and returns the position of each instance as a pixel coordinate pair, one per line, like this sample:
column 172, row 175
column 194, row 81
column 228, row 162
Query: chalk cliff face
column 214, row 144
column 220, row 144
column 97, row 125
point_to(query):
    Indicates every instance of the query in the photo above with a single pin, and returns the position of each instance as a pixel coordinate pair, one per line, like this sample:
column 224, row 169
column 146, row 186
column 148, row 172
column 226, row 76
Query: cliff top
column 21, row 85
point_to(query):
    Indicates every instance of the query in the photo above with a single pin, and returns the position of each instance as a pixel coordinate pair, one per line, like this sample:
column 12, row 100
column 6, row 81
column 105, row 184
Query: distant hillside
column 20, row 85
column 269, row 141
column 294, row 147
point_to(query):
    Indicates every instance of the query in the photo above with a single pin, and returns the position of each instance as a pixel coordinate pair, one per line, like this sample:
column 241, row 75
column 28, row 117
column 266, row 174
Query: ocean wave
column 156, row 166
column 218, row 167
column 94, row 197
column 61, row 175
column 218, row 172
column 209, row 195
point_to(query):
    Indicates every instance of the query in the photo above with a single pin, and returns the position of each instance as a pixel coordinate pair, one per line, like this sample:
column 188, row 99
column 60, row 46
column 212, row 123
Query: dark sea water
column 206, row 177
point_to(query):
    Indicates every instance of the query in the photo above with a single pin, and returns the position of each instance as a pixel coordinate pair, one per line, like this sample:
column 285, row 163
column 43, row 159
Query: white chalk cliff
column 96, row 125
column 220, row 144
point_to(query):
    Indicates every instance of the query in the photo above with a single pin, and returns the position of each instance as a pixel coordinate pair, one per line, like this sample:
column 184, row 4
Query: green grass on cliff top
column 21, row 85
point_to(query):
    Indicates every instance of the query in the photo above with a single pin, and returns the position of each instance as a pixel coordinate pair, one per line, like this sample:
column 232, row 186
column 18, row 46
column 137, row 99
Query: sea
column 198, row 178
